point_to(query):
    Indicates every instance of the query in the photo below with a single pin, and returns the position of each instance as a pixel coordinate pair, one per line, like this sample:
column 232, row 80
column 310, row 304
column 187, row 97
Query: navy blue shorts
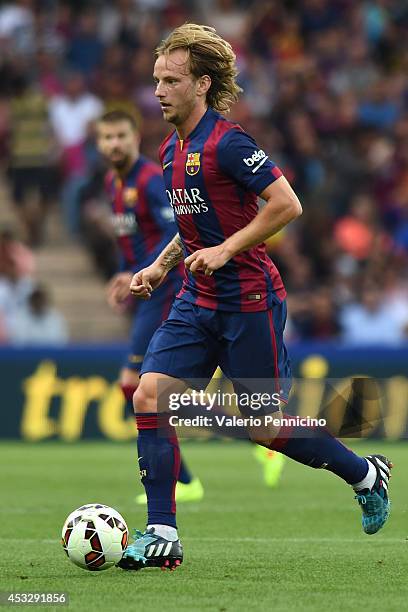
column 148, row 316
column 194, row 341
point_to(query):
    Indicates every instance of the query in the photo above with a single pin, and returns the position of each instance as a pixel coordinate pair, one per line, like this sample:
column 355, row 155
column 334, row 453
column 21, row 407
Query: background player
column 232, row 292
column 143, row 223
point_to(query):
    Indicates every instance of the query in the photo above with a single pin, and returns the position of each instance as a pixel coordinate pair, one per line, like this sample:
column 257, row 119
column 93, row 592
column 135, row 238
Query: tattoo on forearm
column 173, row 254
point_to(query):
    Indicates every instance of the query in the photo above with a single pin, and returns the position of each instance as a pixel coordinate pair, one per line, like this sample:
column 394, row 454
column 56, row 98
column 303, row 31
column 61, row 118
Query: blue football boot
column 151, row 550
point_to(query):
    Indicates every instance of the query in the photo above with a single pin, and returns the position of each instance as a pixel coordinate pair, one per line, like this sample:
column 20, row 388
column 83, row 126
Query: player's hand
column 118, row 291
column 147, row 280
column 207, row 260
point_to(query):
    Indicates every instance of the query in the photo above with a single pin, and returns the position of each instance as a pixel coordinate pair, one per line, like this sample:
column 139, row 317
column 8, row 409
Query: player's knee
column 144, row 399
column 129, row 378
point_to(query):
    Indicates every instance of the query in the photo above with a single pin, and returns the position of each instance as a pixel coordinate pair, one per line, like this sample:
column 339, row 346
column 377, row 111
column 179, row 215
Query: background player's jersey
column 212, row 181
column 141, row 215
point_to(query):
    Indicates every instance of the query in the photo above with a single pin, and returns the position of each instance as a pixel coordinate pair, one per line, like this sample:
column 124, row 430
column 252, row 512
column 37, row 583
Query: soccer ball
column 94, row 537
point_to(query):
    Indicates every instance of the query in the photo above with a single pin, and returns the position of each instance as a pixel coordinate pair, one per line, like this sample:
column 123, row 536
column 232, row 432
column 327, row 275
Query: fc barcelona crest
column 130, row 196
column 193, row 163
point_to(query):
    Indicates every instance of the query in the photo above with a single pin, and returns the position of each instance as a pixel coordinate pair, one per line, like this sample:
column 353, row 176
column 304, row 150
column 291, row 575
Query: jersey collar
column 209, row 114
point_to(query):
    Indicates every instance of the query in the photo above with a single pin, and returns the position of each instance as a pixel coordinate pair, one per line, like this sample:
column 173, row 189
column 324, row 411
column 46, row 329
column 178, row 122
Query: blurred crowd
column 26, row 314
column 325, row 95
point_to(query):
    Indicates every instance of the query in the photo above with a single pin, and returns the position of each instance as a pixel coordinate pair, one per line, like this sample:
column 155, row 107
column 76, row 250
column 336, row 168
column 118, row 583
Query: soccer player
column 144, row 223
column 231, row 309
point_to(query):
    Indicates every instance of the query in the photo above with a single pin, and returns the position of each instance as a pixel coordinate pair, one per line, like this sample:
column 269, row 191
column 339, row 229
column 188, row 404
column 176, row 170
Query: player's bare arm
column 148, row 279
column 282, row 206
column 172, row 254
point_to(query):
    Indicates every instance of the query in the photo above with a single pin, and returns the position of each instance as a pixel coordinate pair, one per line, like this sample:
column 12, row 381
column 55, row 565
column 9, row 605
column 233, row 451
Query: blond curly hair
column 209, row 54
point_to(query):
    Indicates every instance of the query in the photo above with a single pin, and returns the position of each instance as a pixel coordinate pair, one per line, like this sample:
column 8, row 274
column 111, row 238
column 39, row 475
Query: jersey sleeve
column 241, row 158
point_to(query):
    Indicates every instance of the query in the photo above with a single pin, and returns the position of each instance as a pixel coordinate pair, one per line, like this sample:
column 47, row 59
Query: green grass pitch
column 246, row 547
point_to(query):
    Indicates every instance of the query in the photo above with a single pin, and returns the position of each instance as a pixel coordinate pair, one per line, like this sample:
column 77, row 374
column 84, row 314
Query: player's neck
column 185, row 129
column 122, row 172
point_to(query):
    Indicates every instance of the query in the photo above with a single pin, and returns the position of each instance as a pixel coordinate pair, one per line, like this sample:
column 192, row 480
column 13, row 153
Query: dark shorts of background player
column 23, row 180
column 194, row 341
column 148, row 317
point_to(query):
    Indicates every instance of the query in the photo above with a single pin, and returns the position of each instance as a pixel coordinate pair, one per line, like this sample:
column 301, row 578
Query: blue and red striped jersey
column 212, row 181
column 142, row 218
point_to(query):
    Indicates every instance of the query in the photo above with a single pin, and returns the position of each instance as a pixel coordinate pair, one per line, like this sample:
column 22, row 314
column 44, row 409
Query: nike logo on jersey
column 167, row 165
